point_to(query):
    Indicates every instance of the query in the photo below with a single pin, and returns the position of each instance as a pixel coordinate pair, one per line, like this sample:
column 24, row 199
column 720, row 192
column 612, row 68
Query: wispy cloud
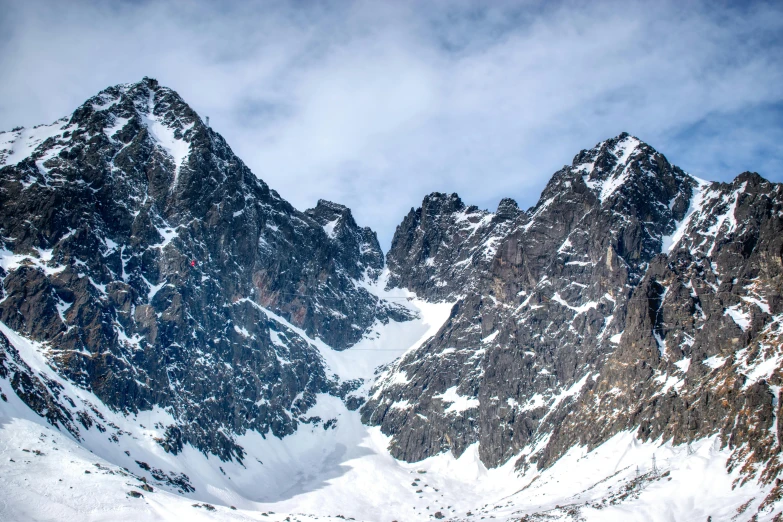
column 376, row 104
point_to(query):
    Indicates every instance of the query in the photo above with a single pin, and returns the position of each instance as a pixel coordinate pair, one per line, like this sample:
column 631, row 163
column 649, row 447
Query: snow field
column 341, row 468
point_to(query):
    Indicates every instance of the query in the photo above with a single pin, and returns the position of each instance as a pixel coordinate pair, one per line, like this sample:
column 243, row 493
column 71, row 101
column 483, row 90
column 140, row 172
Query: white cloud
column 376, row 104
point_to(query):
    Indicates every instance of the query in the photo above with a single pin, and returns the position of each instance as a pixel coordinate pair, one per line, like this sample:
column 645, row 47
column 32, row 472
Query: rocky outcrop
column 701, row 349
column 162, row 272
column 632, row 296
column 149, row 266
column 438, row 249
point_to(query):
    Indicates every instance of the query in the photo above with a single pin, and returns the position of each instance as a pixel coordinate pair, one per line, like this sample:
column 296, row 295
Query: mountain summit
column 168, row 321
column 631, row 293
column 164, row 274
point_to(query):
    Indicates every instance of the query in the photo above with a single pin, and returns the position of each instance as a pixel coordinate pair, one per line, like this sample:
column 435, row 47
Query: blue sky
column 375, row 104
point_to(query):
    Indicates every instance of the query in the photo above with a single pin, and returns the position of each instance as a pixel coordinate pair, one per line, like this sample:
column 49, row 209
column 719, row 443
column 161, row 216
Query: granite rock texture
column 631, row 297
column 160, row 271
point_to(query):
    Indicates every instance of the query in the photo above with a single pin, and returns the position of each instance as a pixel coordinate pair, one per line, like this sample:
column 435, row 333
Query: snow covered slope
column 162, row 274
column 337, row 469
column 632, row 298
column 346, row 472
column 178, row 342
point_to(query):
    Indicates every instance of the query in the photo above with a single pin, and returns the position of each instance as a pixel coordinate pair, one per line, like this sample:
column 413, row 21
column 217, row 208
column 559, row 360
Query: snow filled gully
column 343, row 472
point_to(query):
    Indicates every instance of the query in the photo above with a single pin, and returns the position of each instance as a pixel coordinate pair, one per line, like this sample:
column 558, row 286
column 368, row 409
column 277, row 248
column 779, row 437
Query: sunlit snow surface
column 345, row 471
column 348, row 472
column 19, row 144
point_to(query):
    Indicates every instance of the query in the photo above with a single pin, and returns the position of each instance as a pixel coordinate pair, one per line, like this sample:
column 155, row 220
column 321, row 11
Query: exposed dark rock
column 157, row 271
column 578, row 327
column 162, row 272
column 439, row 248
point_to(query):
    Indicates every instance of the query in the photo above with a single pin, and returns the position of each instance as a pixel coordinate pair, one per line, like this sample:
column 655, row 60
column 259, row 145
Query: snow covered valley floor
column 45, row 475
column 339, row 468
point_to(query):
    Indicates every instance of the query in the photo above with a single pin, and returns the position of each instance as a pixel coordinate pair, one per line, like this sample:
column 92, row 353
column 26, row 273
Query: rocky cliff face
column 161, row 272
column 701, row 348
column 632, row 296
column 150, row 267
column 438, row 249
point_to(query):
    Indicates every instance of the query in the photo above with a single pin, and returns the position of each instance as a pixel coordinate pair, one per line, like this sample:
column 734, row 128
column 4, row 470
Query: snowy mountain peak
column 332, row 216
column 438, row 247
column 631, row 297
column 438, row 203
column 349, row 238
column 161, row 306
column 507, row 209
column 612, row 163
column 163, row 273
column 169, row 122
column 608, row 152
column 118, row 116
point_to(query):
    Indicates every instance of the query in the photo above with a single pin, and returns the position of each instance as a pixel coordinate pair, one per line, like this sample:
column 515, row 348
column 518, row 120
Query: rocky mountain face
column 160, row 272
column 632, row 296
column 438, row 249
column 153, row 269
